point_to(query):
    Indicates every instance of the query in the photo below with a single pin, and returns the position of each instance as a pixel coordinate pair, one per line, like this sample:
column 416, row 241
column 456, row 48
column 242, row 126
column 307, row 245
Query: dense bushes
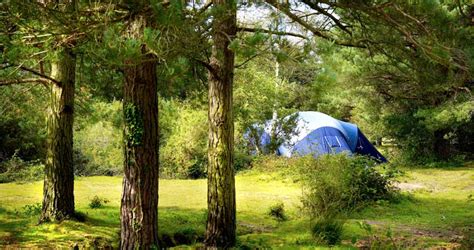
column 277, row 212
column 98, row 141
column 98, row 150
column 22, row 122
column 434, row 134
column 184, row 147
column 15, row 169
column 184, row 138
column 338, row 183
column 334, row 185
column 21, row 137
column 328, row 230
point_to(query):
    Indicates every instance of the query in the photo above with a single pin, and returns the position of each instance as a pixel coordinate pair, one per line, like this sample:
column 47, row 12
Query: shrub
column 277, row 212
column 23, row 137
column 282, row 166
column 467, row 241
column 97, row 202
column 32, row 210
column 242, row 160
column 328, row 230
column 334, row 184
column 15, row 169
column 366, row 183
column 183, row 153
column 98, row 140
column 98, row 150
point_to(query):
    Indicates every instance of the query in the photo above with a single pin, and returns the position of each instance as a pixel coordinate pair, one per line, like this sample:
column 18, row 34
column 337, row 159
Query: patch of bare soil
column 8, row 240
column 469, row 187
column 410, row 187
column 248, row 228
column 413, row 238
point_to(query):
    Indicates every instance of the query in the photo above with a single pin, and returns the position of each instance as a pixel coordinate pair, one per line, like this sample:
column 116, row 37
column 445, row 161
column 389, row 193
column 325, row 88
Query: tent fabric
column 352, row 134
column 317, row 133
column 364, row 147
column 324, row 140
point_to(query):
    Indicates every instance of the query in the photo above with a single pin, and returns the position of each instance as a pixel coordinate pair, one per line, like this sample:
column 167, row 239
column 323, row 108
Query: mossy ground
column 438, row 212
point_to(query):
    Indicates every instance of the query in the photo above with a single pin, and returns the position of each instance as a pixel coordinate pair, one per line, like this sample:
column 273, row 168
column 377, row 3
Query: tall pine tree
column 221, row 224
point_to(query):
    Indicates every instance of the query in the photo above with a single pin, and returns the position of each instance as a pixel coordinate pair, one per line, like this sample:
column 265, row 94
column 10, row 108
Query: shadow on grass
column 100, row 229
column 178, row 226
column 12, row 226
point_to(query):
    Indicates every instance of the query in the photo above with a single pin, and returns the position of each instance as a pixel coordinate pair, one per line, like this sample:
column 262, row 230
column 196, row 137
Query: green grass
column 438, row 213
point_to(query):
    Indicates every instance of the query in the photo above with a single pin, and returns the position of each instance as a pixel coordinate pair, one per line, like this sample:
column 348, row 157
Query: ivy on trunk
column 139, row 206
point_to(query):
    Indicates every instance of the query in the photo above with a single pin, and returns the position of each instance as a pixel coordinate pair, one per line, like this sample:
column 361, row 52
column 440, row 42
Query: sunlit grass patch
column 432, row 216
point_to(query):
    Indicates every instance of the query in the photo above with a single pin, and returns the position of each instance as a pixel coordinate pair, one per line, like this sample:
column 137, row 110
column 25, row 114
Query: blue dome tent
column 317, row 133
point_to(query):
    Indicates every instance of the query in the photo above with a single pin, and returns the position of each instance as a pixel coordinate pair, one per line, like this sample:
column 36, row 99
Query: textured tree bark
column 139, row 207
column 58, row 190
column 221, row 224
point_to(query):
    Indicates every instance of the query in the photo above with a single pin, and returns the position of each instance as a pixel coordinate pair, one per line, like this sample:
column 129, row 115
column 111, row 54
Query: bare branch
column 24, row 80
column 314, row 30
column 315, row 6
column 46, row 77
column 252, row 57
column 246, row 61
column 207, row 66
column 205, row 7
column 273, row 32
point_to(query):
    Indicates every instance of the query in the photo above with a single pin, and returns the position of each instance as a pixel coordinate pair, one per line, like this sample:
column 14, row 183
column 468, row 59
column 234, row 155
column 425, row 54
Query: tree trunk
column 221, row 223
column 58, row 191
column 139, row 208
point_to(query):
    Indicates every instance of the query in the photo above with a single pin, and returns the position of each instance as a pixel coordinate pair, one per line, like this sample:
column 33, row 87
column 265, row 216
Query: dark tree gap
column 221, row 224
column 139, row 205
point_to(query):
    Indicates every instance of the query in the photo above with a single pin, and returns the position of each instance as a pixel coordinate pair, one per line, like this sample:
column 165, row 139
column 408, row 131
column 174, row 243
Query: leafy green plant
column 334, row 184
column 467, row 241
column 183, row 153
column 16, row 169
column 98, row 142
column 328, row 230
column 21, row 136
column 381, row 241
column 97, row 202
column 277, row 212
column 32, row 209
column 133, row 124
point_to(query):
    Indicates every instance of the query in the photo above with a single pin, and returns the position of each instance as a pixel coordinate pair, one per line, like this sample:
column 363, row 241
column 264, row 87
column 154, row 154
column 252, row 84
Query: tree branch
column 32, row 71
column 315, row 6
column 204, row 8
column 314, row 30
column 46, row 77
column 24, row 80
column 279, row 33
column 246, row 61
column 207, row 66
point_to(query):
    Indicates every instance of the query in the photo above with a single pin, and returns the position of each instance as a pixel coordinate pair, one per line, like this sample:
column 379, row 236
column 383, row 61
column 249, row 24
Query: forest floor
column 436, row 210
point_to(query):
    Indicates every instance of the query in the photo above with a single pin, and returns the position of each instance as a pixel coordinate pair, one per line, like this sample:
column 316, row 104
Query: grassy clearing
column 438, row 212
